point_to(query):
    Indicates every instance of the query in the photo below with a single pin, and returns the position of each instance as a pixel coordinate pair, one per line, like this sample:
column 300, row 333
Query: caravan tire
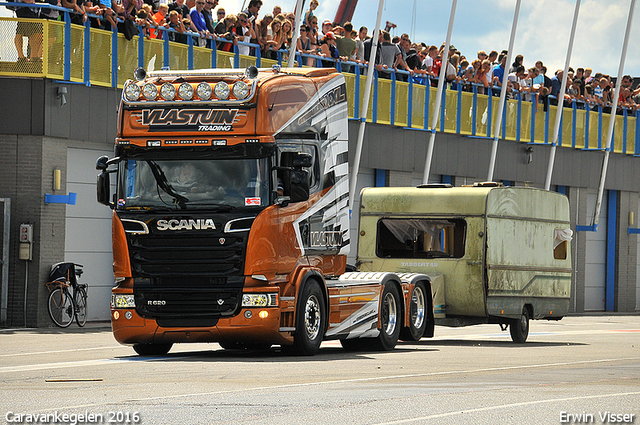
column 519, row 328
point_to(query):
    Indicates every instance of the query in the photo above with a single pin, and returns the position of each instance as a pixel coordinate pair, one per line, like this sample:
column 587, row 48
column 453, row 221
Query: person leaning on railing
column 30, row 30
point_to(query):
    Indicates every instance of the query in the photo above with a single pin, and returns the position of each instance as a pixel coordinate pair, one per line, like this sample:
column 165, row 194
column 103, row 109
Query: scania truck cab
column 231, row 217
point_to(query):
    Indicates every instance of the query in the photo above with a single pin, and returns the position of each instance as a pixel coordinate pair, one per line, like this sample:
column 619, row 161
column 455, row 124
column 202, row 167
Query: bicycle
column 65, row 304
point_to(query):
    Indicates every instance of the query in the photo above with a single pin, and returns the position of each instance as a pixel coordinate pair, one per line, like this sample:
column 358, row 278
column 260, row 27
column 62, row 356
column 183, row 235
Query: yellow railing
column 63, row 57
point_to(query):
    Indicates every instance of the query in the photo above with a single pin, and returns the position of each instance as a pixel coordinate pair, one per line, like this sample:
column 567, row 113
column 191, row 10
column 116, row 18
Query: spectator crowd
column 330, row 44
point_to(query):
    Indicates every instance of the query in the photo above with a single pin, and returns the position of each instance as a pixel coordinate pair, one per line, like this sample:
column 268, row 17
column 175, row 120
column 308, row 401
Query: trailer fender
column 418, row 310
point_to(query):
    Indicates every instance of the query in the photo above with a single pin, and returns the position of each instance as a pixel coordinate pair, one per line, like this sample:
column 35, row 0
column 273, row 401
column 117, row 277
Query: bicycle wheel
column 81, row 306
column 60, row 307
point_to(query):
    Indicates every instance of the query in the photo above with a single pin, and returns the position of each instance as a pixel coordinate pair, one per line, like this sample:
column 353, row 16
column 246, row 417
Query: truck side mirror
column 104, row 188
column 302, row 160
column 101, row 163
column 299, row 183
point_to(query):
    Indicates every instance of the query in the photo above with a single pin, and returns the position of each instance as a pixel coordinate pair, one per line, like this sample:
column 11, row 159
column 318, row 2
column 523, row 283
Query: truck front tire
column 311, row 321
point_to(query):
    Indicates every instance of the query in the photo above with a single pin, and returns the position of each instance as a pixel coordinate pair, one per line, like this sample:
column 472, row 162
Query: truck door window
column 286, row 153
column 420, row 238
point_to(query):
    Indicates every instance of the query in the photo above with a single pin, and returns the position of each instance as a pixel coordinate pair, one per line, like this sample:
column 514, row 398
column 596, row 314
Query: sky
column 543, row 27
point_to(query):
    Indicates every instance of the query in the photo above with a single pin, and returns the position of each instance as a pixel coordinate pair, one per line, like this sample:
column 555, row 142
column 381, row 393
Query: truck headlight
column 259, row 300
column 123, row 301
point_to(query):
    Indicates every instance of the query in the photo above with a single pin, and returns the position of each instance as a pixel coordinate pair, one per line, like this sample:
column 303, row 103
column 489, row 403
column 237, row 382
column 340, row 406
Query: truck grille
column 188, row 255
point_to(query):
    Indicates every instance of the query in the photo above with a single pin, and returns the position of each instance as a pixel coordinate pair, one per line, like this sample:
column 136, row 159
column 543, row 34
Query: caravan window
column 421, row 238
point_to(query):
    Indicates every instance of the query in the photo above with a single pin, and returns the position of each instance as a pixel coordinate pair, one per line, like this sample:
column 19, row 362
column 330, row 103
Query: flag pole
column 294, row 36
column 365, row 105
column 441, row 82
column 563, row 87
column 503, row 93
column 612, row 118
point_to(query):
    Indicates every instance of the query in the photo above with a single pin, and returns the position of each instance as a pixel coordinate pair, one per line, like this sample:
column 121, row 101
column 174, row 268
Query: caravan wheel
column 519, row 328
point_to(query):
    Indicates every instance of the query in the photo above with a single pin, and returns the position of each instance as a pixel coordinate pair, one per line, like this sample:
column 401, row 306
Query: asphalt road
column 582, row 369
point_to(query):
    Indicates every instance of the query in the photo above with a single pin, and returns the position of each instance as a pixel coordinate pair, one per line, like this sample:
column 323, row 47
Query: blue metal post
column 427, row 96
column 489, row 112
column 166, row 60
column 67, row 47
column 611, row 250
column 599, row 127
column 236, row 57
column 381, row 178
column 624, row 130
column 443, row 108
column 459, row 109
column 190, row 52
column 586, row 126
column 518, row 123
column 356, row 97
column 114, row 57
column 410, row 100
column 534, row 106
column 141, row 47
column 374, row 109
column 474, row 115
column 392, row 106
column 87, row 53
column 575, row 119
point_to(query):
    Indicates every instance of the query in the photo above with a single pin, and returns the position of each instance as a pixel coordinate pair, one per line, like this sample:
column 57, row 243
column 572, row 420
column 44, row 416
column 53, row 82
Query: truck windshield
column 193, row 184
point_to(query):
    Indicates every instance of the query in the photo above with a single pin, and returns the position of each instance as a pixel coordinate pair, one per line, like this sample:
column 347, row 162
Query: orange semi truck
column 231, row 217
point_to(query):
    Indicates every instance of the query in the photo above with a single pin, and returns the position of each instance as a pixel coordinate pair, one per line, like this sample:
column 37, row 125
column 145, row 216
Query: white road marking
column 309, row 384
column 35, row 353
column 504, row 406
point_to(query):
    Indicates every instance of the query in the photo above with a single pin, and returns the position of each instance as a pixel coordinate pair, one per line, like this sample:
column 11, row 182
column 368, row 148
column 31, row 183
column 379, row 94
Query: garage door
column 638, row 271
column 596, row 254
column 88, row 231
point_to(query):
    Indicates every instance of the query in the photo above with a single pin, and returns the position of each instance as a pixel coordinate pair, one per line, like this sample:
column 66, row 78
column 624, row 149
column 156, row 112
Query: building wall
column 37, row 131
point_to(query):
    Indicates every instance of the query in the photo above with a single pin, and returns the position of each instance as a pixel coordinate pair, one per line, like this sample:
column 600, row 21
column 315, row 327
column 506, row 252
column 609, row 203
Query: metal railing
column 84, row 55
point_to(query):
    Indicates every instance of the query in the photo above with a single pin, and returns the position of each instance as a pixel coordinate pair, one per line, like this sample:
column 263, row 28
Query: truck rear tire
column 417, row 315
column 311, row 321
column 152, row 349
column 390, row 318
column 519, row 328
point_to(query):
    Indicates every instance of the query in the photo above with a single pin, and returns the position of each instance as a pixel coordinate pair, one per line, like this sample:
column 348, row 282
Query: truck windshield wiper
column 164, row 184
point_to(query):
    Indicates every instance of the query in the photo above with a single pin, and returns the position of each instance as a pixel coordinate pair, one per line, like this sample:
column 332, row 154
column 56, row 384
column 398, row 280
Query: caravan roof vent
column 433, row 185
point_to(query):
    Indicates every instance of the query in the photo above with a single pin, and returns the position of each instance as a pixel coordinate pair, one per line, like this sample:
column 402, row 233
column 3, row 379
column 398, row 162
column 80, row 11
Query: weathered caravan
column 494, row 254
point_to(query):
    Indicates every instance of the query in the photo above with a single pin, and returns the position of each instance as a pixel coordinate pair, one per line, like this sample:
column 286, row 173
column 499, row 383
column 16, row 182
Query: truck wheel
column 311, row 321
column 519, row 328
column 152, row 349
column 390, row 318
column 417, row 315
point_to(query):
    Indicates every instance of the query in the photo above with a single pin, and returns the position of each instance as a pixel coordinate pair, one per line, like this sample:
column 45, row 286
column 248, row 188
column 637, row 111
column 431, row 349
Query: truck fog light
column 248, row 314
column 123, row 301
column 263, row 314
column 128, row 315
column 259, row 300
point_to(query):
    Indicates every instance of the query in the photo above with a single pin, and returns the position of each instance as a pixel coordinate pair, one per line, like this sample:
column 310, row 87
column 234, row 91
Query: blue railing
column 97, row 57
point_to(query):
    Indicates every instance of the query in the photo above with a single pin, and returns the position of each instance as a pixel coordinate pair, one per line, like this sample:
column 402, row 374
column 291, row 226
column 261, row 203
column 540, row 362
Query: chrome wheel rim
column 417, row 307
column 389, row 314
column 312, row 317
